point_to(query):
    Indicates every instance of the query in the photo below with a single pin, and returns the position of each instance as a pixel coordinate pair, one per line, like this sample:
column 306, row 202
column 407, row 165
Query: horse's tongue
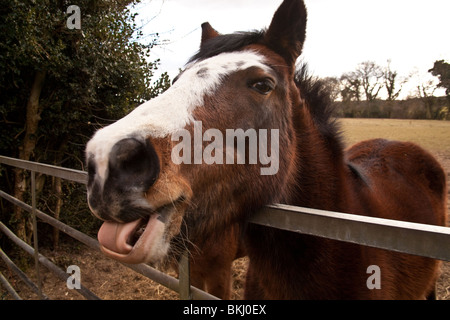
column 114, row 236
column 113, row 239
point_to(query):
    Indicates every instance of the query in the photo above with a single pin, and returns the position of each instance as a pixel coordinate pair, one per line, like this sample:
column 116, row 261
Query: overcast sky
column 340, row 34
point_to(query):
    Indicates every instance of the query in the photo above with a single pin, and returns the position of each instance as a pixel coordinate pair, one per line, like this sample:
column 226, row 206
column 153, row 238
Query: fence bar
column 53, row 222
column 9, row 288
column 47, row 263
column 64, row 173
column 413, row 238
column 21, row 274
column 168, row 281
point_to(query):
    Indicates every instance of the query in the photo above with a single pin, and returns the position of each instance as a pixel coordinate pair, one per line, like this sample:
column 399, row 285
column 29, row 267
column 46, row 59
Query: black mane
column 320, row 105
column 227, row 43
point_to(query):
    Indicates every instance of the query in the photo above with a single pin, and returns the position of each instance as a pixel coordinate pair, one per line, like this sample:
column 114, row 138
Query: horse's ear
column 287, row 31
column 208, row 32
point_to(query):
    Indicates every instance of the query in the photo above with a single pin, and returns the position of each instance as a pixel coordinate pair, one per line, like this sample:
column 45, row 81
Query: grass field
column 430, row 134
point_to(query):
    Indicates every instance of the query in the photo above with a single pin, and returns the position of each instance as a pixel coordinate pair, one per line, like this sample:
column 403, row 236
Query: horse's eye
column 263, row 86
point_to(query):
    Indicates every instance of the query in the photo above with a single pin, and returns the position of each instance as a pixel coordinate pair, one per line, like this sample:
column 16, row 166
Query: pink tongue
column 114, row 236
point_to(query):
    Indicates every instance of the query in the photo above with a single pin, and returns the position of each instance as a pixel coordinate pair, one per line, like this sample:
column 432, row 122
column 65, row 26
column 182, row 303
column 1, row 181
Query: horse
column 165, row 175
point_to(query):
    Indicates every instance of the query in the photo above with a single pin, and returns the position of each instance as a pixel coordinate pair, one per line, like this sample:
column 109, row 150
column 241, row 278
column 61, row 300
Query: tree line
column 372, row 90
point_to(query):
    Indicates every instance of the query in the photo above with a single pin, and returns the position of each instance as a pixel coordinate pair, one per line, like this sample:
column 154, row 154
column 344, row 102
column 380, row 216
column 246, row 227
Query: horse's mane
column 227, row 43
column 318, row 100
column 312, row 90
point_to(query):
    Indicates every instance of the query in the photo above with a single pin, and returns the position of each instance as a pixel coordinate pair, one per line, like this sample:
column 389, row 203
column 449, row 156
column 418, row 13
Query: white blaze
column 171, row 111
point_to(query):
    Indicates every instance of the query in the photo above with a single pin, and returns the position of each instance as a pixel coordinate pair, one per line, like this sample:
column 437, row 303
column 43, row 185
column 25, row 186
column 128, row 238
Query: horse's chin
column 139, row 241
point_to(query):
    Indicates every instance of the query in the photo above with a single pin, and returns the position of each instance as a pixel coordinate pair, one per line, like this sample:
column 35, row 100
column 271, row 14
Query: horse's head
column 218, row 143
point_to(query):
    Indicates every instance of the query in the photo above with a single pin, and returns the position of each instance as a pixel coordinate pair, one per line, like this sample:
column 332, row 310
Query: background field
column 110, row 280
column 430, row 134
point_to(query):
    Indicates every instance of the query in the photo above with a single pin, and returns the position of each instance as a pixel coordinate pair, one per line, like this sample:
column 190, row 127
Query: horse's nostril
column 127, row 154
column 133, row 163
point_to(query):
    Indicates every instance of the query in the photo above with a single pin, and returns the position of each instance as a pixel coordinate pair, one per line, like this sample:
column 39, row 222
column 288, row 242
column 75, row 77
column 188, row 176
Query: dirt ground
column 111, row 280
column 106, row 278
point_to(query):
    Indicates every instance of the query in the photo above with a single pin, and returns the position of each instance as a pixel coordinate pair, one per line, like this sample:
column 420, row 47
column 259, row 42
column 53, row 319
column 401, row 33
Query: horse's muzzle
column 132, row 168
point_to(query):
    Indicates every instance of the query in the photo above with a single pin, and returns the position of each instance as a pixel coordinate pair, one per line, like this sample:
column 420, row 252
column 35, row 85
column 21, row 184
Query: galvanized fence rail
column 412, row 238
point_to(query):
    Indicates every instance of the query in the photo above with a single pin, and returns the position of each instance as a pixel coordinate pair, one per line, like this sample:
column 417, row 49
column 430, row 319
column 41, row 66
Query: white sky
column 340, row 33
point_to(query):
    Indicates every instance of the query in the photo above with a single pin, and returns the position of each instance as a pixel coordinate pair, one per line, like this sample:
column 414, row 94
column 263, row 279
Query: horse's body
column 382, row 187
column 247, row 81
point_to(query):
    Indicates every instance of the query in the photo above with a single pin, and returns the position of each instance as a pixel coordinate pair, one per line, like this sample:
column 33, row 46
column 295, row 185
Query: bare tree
column 367, row 78
column 33, row 116
column 332, row 85
column 351, row 86
column 391, row 81
column 370, row 75
column 425, row 91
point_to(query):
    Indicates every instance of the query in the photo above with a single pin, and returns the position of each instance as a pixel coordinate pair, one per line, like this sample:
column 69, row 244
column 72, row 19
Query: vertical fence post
column 184, row 275
column 35, row 235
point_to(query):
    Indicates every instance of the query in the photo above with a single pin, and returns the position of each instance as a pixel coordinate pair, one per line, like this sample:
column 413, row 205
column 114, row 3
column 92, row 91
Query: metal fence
column 413, row 238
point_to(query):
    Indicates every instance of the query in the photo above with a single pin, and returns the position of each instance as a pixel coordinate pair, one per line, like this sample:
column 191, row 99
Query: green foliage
column 94, row 76
column 441, row 69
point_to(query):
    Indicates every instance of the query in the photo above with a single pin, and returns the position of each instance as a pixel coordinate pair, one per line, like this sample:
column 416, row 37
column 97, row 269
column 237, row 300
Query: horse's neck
column 319, row 182
column 321, row 173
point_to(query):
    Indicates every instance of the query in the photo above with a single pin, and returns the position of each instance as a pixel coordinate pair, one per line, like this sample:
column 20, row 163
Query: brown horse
column 167, row 175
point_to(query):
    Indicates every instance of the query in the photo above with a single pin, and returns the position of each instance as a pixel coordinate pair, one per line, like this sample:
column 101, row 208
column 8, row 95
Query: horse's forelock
column 227, row 43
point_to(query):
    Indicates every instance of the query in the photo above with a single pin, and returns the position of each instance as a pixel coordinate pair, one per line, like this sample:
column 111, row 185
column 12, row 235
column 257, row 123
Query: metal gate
column 417, row 239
